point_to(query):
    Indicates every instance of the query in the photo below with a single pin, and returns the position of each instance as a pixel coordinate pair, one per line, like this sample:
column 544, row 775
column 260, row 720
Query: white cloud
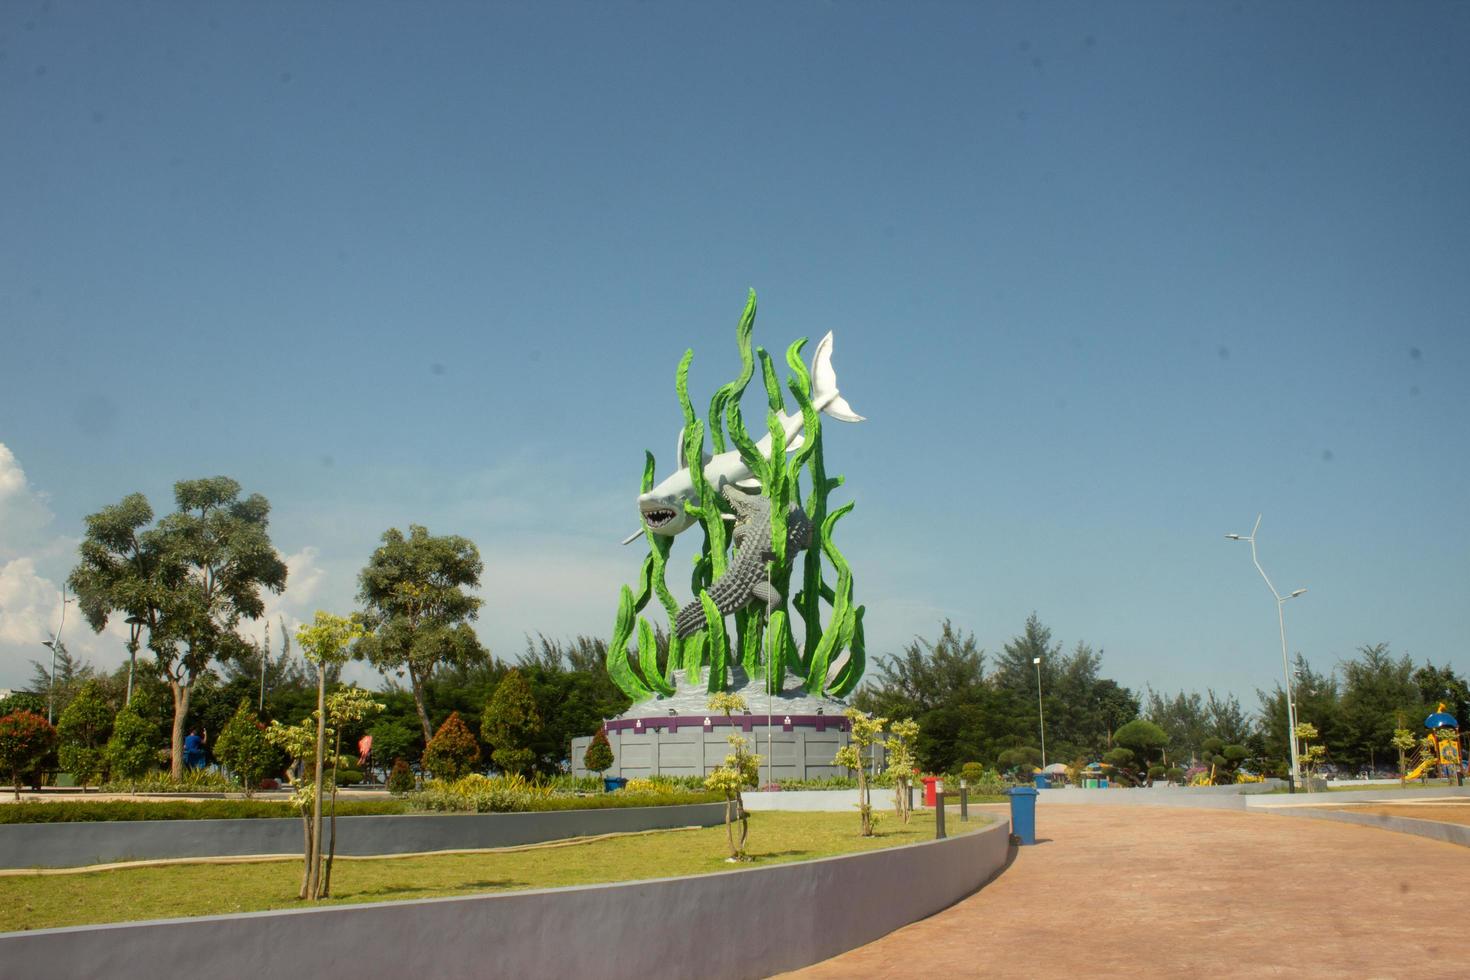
column 24, row 516
column 29, row 604
column 304, row 580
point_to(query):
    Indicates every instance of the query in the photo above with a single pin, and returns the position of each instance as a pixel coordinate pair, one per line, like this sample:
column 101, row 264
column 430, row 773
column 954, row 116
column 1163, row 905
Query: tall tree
column 214, row 557
column 927, row 675
column 1225, row 719
column 417, row 610
column 123, row 570
column 1438, row 684
column 58, row 687
column 1015, row 667
column 1317, row 702
column 1377, row 688
column 1184, row 718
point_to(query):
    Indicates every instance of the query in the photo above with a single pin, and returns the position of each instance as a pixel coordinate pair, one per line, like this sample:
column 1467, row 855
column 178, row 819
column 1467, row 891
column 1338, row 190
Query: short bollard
column 1023, row 813
column 964, row 802
column 939, row 833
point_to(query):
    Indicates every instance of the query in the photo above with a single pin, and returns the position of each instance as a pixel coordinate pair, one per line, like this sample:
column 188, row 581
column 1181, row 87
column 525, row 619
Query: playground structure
column 1443, row 752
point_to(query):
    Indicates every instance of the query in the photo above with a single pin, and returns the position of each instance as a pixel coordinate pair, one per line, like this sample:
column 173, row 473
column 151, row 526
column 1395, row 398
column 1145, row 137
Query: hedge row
column 80, row 811
column 85, row 811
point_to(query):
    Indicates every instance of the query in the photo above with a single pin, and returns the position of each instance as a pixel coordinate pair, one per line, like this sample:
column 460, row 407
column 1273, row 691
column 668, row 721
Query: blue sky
column 1106, row 280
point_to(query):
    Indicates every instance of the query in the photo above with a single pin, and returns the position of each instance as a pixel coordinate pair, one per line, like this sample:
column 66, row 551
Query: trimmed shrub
column 82, row 733
column 599, row 755
column 132, row 749
column 400, row 780
column 23, row 701
column 453, row 751
column 510, row 721
column 25, row 740
column 244, row 750
column 514, row 794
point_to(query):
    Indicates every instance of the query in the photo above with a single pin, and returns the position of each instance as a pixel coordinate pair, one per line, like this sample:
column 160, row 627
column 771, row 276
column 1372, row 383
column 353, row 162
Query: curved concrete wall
column 1450, row 833
column 60, row 845
column 728, row 926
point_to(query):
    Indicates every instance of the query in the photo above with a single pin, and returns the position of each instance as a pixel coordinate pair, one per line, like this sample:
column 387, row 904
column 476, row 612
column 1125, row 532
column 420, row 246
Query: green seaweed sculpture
column 764, row 644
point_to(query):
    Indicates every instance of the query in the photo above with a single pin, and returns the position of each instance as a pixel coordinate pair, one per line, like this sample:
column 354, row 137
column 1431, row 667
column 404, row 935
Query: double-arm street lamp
column 1296, row 770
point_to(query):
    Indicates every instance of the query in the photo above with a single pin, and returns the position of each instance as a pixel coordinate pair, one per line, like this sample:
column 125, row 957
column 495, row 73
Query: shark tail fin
column 825, row 396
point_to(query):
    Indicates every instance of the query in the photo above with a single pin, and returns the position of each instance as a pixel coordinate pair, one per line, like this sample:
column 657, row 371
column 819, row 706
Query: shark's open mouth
column 658, row 516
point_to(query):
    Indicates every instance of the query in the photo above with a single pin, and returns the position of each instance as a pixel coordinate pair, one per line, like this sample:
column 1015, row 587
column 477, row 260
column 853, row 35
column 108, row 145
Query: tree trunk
column 332, row 839
column 306, row 867
column 418, row 702
column 314, row 874
column 180, row 692
column 865, row 805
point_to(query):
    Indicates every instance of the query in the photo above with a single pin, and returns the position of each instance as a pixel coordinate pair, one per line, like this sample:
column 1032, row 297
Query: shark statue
column 662, row 508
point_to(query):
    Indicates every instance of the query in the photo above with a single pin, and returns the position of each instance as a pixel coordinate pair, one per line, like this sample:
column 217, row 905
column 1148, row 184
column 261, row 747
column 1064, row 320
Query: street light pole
column 1296, row 769
column 135, row 633
column 1040, row 713
column 55, row 644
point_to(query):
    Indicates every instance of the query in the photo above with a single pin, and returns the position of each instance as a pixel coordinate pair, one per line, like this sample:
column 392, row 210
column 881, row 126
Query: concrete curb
column 32, row 845
column 673, row 927
column 1449, row 833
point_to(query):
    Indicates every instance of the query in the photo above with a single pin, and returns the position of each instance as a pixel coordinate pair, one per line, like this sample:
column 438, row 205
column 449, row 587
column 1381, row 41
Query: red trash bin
column 929, row 783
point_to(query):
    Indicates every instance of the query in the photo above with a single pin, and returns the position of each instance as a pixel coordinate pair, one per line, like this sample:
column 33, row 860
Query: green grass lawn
column 39, row 902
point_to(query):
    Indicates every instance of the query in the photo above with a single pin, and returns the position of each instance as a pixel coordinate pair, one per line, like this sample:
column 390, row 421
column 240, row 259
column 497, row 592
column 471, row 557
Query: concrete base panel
column 60, row 845
column 729, row 926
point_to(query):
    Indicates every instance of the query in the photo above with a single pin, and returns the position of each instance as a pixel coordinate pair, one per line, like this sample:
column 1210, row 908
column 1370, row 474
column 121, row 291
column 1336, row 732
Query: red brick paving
column 1175, row 892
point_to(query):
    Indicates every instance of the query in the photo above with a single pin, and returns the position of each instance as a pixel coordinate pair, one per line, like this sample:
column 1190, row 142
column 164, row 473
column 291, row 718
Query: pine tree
column 509, row 721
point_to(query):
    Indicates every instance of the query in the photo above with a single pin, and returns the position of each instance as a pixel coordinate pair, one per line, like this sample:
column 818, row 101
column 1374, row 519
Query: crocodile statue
column 745, row 580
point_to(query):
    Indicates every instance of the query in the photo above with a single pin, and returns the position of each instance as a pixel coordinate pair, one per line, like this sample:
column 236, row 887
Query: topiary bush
column 599, row 755
column 25, row 740
column 400, row 780
column 82, row 732
column 453, row 751
column 244, row 749
column 132, row 749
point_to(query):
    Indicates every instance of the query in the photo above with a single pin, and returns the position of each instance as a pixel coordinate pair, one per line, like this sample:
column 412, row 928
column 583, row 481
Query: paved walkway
column 1154, row 892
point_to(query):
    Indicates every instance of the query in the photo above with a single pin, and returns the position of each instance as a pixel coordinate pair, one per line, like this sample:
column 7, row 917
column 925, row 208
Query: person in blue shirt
column 194, row 750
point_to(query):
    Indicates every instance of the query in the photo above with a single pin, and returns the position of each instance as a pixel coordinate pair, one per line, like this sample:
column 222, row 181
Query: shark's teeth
column 658, row 518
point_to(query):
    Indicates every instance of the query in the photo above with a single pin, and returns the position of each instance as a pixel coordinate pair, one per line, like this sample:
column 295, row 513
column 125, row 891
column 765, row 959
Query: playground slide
column 1422, row 768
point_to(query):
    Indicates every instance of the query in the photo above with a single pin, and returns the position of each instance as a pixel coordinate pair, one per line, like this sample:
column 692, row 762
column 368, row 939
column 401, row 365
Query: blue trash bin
column 612, row 784
column 1043, row 781
column 1023, row 813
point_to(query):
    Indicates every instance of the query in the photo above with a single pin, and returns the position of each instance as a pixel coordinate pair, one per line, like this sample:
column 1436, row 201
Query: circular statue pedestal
column 796, row 735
